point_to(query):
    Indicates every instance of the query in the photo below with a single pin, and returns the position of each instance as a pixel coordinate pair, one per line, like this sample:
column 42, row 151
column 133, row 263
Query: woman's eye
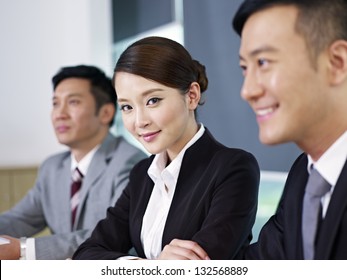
column 153, row 100
column 125, row 107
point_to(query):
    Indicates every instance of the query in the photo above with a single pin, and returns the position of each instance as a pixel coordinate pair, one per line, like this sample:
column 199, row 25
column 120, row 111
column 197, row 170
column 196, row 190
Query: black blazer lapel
column 294, row 195
column 333, row 218
column 193, row 167
column 139, row 204
column 294, row 225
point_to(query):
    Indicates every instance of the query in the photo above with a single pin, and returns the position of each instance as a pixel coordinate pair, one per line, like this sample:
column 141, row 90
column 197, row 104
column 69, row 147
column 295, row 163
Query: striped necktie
column 77, row 177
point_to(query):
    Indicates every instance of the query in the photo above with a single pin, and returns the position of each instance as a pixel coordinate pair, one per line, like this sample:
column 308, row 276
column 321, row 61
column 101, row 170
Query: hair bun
column 201, row 75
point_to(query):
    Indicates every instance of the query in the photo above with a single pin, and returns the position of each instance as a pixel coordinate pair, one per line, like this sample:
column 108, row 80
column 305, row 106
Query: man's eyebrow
column 73, row 94
column 257, row 51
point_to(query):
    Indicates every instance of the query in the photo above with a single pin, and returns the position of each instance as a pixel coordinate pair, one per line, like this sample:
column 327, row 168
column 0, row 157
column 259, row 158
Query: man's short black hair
column 101, row 85
column 320, row 22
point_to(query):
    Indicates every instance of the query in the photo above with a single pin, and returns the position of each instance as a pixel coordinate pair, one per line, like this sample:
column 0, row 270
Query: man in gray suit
column 84, row 105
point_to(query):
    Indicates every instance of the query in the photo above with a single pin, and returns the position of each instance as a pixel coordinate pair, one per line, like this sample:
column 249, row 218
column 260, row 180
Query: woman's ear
column 106, row 113
column 337, row 62
column 193, row 96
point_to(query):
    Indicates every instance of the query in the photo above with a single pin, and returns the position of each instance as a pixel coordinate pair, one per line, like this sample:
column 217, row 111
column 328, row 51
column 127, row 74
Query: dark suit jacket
column 214, row 204
column 281, row 238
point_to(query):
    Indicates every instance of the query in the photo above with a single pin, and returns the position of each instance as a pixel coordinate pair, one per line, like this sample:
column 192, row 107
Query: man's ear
column 106, row 113
column 193, row 96
column 337, row 62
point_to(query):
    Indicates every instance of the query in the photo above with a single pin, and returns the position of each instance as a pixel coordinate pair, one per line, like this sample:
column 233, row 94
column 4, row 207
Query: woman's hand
column 183, row 250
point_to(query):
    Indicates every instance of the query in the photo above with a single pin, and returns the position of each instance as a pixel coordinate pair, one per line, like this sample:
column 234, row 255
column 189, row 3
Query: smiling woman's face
column 160, row 117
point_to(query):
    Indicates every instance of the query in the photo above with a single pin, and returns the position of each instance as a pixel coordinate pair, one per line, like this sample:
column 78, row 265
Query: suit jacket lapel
column 195, row 156
column 336, row 209
column 143, row 198
column 293, row 210
column 96, row 168
column 62, row 185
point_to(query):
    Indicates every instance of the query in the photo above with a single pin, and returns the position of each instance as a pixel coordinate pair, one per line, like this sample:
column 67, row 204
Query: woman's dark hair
column 164, row 61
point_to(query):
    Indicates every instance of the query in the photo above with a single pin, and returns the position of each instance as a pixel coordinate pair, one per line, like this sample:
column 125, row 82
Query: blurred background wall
column 40, row 36
column 37, row 38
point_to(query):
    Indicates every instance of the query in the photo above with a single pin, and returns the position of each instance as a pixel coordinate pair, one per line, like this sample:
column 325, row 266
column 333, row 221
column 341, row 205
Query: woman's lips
column 148, row 137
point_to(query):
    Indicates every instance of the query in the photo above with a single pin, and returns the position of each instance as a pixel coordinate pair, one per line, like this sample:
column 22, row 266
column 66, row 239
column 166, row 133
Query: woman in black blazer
column 193, row 198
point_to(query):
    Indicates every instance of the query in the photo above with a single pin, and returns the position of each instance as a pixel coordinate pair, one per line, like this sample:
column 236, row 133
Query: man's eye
column 262, row 61
column 74, row 101
column 244, row 69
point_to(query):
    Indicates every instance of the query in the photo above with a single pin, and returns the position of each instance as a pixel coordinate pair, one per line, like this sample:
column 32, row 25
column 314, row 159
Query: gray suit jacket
column 47, row 204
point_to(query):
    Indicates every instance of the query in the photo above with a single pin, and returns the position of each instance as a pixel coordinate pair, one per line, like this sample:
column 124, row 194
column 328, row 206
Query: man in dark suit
column 84, row 104
column 294, row 59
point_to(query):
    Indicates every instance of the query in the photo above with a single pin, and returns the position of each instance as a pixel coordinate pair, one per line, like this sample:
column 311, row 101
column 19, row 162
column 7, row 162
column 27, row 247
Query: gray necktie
column 316, row 187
